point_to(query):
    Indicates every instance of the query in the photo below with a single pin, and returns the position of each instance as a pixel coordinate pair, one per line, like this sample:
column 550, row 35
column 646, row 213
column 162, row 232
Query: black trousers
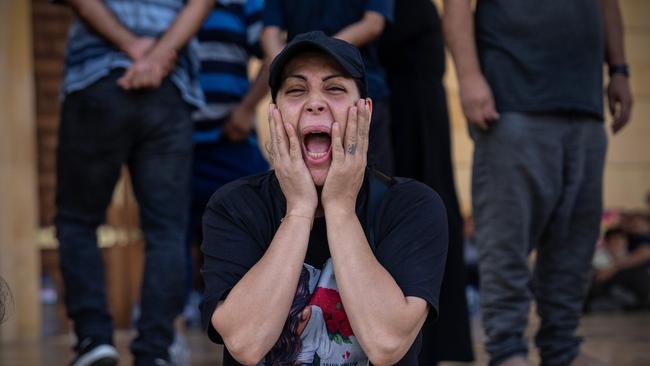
column 102, row 129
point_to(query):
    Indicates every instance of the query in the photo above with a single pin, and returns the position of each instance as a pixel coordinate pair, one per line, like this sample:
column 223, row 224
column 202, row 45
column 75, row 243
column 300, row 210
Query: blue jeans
column 103, row 128
column 536, row 183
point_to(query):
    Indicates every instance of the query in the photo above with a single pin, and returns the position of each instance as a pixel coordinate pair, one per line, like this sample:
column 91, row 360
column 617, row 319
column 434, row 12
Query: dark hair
column 286, row 349
column 612, row 232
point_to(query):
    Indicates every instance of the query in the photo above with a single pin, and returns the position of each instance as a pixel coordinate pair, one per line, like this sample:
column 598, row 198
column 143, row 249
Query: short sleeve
column 232, row 244
column 383, row 7
column 274, row 15
column 413, row 240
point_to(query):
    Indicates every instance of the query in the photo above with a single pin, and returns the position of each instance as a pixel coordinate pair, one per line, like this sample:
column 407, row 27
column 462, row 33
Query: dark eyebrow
column 297, row 76
column 333, row 76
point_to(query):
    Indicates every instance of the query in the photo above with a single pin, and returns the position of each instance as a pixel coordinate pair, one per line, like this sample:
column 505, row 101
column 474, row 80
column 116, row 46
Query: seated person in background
column 637, row 227
column 616, row 264
column 379, row 243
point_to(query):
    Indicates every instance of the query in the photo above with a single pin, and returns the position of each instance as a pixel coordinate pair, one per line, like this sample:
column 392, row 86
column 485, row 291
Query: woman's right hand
column 287, row 161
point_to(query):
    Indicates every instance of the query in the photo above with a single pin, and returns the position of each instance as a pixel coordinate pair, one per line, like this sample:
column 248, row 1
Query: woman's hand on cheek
column 349, row 159
column 292, row 173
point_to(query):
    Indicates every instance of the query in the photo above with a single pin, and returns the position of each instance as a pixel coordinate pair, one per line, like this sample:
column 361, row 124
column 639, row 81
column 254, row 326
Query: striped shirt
column 89, row 57
column 227, row 40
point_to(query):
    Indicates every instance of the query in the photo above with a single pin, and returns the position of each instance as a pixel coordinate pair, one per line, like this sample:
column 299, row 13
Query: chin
column 319, row 176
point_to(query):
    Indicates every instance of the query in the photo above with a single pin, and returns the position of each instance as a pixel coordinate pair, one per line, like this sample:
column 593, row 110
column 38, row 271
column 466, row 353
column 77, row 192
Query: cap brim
column 295, row 48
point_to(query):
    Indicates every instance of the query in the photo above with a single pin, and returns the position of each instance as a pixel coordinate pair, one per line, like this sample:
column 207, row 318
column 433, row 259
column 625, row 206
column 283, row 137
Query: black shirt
column 410, row 239
column 542, row 56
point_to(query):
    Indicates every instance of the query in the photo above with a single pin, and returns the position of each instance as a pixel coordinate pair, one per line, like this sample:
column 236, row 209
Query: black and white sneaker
column 91, row 353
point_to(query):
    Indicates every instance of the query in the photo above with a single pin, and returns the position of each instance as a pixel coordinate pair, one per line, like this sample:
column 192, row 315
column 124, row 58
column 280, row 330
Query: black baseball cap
column 345, row 54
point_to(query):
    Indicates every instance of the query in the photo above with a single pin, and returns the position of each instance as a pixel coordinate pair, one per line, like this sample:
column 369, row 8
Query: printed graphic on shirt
column 317, row 331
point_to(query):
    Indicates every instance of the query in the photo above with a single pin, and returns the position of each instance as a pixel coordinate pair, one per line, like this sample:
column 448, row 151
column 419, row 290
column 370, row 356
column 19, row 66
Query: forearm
column 366, row 30
column 253, row 314
column 384, row 321
column 458, row 25
column 613, row 23
column 185, row 26
column 637, row 258
column 95, row 14
column 258, row 89
column 272, row 42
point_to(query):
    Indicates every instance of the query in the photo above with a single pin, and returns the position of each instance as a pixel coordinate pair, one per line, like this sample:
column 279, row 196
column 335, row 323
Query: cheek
column 290, row 112
column 340, row 112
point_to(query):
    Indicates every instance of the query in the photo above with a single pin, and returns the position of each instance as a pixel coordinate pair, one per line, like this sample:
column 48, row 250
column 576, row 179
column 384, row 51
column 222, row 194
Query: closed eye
column 295, row 91
column 336, row 89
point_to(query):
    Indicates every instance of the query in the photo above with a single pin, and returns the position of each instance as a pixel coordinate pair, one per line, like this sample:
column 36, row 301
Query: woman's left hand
column 348, row 167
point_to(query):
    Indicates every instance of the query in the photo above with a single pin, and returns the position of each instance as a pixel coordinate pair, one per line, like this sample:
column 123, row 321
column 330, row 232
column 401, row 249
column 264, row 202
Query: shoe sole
column 104, row 355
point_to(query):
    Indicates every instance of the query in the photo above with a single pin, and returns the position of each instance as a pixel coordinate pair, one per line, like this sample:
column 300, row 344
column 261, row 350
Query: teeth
column 316, row 155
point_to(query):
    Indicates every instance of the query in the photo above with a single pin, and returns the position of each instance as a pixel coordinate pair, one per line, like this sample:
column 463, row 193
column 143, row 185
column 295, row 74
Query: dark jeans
column 536, row 183
column 102, row 128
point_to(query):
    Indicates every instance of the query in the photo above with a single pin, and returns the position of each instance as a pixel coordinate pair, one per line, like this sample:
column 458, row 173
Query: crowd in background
column 164, row 88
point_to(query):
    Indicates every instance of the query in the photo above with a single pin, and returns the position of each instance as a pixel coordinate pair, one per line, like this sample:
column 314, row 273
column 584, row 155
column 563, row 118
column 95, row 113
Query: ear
column 369, row 102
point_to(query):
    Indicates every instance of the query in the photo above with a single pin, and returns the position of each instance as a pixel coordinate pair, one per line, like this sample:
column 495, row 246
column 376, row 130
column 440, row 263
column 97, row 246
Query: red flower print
column 336, row 320
column 345, row 329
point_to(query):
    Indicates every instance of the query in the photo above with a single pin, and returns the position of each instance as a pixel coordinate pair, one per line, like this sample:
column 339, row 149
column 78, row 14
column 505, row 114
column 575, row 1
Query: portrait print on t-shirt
column 317, row 331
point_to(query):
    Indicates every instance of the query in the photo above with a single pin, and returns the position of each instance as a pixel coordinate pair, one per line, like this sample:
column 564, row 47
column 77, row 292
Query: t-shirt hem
column 552, row 108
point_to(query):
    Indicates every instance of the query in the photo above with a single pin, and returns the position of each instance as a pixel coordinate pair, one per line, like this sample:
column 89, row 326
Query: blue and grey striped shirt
column 89, row 57
column 228, row 39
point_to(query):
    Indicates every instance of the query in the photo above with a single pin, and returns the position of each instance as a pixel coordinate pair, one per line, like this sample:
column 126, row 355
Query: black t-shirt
column 410, row 241
column 542, row 56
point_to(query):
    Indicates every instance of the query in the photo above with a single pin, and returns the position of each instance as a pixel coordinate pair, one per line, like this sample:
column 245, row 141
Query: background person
column 225, row 142
column 615, row 265
column 129, row 86
column 412, row 52
column 531, row 78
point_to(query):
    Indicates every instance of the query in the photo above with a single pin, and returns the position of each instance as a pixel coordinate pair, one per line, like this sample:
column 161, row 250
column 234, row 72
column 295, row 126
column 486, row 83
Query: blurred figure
column 530, row 79
column 359, row 22
column 413, row 54
column 225, row 142
column 470, row 252
column 129, row 87
column 637, row 226
column 617, row 265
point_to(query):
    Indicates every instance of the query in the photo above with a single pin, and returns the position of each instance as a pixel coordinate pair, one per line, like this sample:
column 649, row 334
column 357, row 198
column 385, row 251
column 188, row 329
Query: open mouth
column 317, row 145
